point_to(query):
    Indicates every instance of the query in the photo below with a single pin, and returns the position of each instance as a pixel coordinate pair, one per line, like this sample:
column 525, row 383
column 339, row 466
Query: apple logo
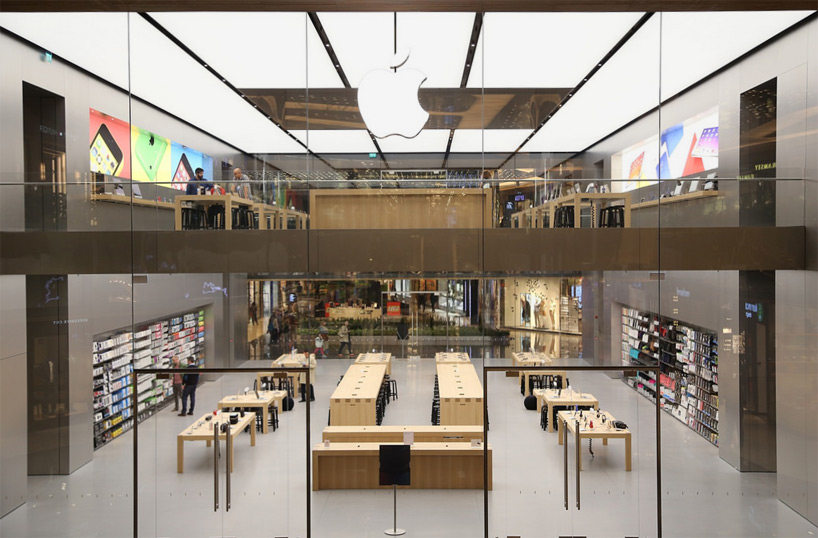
column 388, row 100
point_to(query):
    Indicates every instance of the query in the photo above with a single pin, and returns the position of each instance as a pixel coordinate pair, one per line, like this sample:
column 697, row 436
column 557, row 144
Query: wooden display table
column 122, row 199
column 600, row 430
column 532, row 358
column 551, row 398
column 394, row 434
column 353, row 402
column 591, row 199
column 200, row 431
column 268, row 216
column 285, row 361
column 265, row 399
column 376, row 358
column 675, row 199
column 452, row 358
column 433, row 466
column 461, row 394
column 229, row 201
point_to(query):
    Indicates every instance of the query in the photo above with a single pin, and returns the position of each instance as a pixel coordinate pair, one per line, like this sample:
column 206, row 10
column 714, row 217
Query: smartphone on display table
column 183, row 174
column 106, row 155
column 149, row 151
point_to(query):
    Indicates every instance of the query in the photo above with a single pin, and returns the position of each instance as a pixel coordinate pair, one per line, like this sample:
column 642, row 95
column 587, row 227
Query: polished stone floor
column 701, row 495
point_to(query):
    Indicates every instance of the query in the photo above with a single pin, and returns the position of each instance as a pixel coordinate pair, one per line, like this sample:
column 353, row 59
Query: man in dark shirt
column 197, row 183
column 189, row 383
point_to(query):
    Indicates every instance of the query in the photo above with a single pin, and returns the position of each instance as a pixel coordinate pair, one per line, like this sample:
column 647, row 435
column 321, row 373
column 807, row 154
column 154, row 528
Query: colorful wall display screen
column 130, row 152
column 151, row 156
column 109, row 141
column 683, row 150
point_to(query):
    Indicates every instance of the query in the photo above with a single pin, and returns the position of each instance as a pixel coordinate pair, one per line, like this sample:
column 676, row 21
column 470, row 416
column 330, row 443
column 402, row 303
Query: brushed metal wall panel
column 13, row 428
column 235, row 251
column 365, row 251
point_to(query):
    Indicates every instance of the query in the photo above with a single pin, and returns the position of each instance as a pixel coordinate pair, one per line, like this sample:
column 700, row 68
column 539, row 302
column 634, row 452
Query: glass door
column 232, row 462
column 575, row 455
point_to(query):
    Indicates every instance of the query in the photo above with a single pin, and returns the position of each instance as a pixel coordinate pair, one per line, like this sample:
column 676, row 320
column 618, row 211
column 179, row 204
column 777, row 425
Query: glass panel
column 181, row 467
column 611, row 432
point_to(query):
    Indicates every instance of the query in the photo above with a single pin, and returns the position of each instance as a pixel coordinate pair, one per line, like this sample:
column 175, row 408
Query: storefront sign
column 393, row 308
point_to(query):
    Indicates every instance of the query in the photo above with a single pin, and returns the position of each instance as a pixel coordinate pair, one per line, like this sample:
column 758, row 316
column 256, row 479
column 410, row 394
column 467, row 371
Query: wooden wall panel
column 388, row 209
column 405, row 5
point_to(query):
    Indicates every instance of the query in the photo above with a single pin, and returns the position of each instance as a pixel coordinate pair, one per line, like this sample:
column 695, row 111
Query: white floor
column 701, row 495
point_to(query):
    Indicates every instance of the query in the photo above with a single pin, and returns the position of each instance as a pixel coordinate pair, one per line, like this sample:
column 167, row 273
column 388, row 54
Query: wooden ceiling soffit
column 406, row 5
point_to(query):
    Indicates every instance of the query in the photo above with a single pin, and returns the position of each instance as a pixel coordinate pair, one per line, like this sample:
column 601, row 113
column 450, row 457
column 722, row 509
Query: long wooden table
column 353, row 401
column 600, row 430
column 551, row 398
column 394, row 434
column 451, row 358
column 376, row 358
column 200, row 431
column 461, row 394
column 285, row 361
column 229, row 201
column 265, row 399
column 433, row 466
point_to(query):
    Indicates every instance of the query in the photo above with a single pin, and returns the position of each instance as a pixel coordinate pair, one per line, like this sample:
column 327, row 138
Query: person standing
column 240, row 185
column 343, row 336
column 323, row 332
column 254, row 313
column 189, row 383
column 177, row 382
column 302, row 377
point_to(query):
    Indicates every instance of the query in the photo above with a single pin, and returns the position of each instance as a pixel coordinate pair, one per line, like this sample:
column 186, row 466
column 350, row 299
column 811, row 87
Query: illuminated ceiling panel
column 695, row 45
column 201, row 99
column 544, row 50
column 470, row 140
column 336, row 141
column 77, row 37
column 256, row 50
column 438, row 43
column 624, row 88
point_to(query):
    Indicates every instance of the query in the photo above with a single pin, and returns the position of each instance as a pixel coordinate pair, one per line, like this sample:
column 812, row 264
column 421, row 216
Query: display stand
column 394, row 470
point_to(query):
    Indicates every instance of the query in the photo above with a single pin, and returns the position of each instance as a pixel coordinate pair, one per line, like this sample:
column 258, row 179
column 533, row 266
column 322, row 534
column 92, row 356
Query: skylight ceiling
column 336, row 141
column 624, row 88
column 544, row 50
column 693, row 45
column 77, row 37
column 199, row 97
column 256, row 50
column 489, row 140
column 697, row 44
column 438, row 43
column 282, row 52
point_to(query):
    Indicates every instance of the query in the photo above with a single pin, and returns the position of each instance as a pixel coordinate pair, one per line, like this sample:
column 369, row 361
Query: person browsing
column 198, row 185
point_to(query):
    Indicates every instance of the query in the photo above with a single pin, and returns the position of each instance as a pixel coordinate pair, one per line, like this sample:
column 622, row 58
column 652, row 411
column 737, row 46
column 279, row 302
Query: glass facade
column 616, row 205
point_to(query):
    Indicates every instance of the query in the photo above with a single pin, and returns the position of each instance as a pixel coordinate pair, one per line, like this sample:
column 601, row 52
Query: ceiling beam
column 408, row 5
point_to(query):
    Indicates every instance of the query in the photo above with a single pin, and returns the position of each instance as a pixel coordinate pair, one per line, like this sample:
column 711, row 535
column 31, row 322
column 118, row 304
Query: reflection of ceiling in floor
column 461, row 108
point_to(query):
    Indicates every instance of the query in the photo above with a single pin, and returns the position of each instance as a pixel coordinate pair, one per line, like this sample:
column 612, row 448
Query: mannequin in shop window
column 552, row 313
